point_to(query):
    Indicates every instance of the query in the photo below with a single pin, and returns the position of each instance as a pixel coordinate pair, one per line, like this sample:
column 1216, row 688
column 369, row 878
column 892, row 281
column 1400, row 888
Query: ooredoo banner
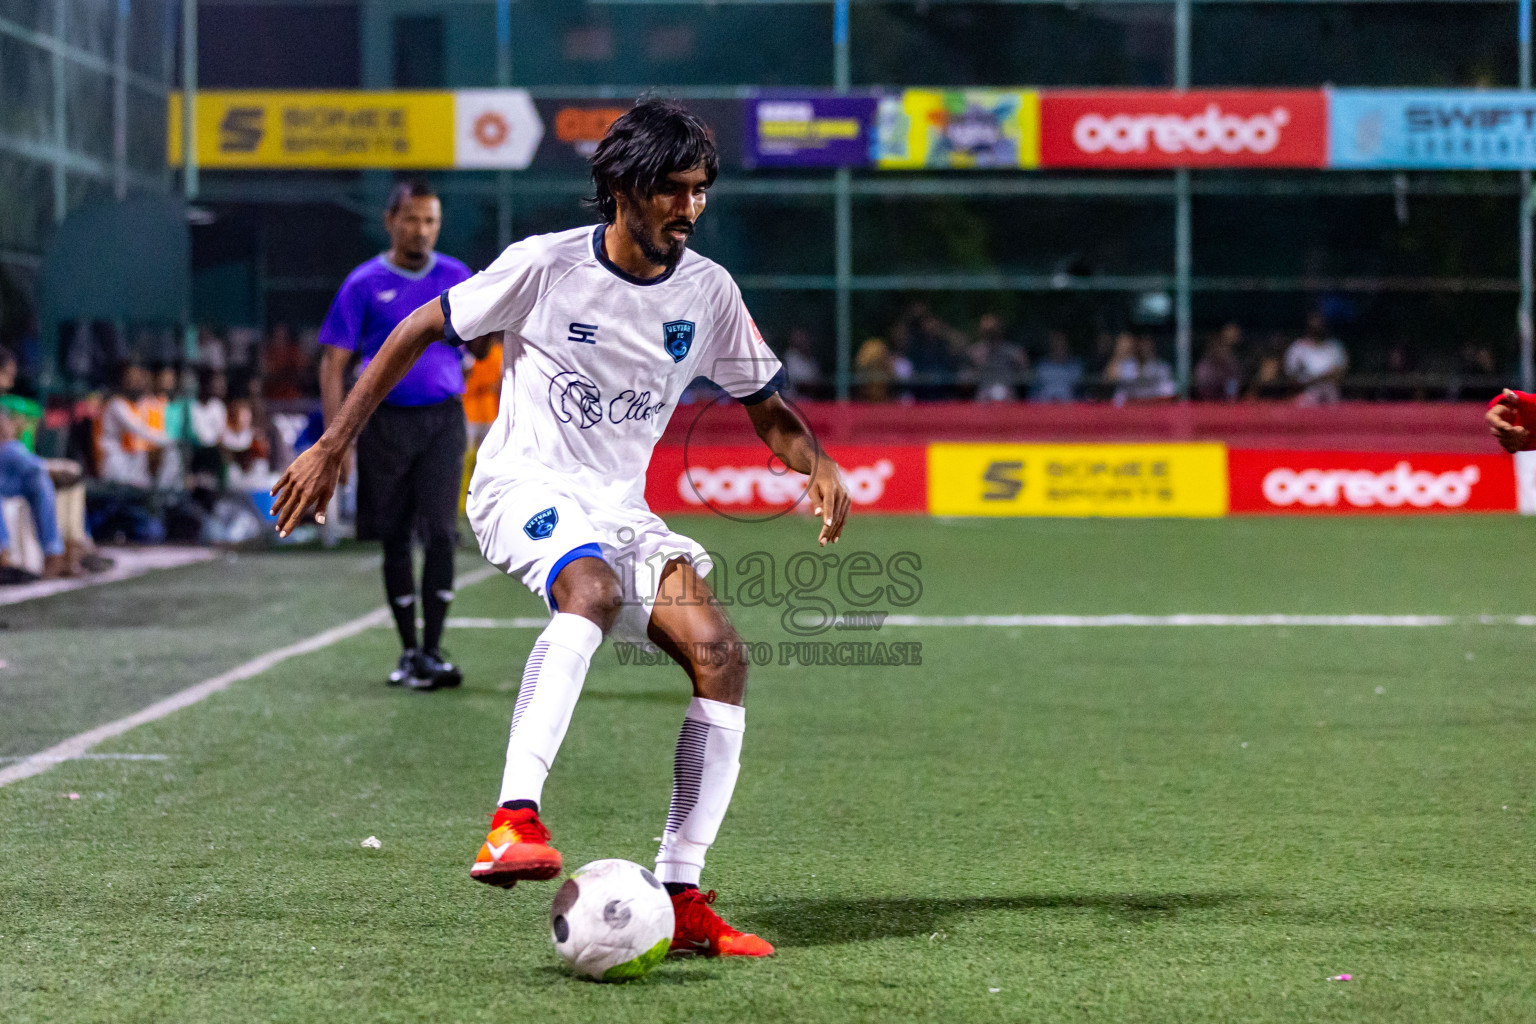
column 1353, row 483
column 1197, row 128
column 746, row 480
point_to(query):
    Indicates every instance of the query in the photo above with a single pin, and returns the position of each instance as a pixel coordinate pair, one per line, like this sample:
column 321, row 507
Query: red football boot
column 700, row 930
column 518, row 847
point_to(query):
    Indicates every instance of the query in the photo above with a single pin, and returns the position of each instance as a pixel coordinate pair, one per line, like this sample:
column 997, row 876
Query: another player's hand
column 305, row 487
column 1506, row 423
column 829, row 499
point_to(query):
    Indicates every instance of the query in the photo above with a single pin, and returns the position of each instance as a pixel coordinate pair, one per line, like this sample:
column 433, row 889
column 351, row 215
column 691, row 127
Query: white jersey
column 595, row 360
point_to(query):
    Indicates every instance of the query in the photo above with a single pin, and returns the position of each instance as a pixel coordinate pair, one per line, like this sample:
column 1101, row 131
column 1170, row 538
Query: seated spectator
column 126, row 437
column 998, row 365
column 1219, row 373
column 246, row 439
column 285, row 367
column 874, row 371
column 1123, row 367
column 1316, row 362
column 24, row 475
column 208, row 420
column 1059, row 374
column 1154, row 381
column 800, row 366
column 936, row 350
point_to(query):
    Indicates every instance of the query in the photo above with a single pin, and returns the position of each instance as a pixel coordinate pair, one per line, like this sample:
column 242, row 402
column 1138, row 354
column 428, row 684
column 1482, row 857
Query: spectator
column 1059, row 374
column 24, row 475
column 1268, row 380
column 1219, row 374
column 1316, row 362
column 800, row 365
column 1154, row 381
column 284, row 365
column 998, row 364
column 246, row 438
column 936, row 351
column 874, row 371
column 208, row 420
column 1123, row 367
column 127, row 437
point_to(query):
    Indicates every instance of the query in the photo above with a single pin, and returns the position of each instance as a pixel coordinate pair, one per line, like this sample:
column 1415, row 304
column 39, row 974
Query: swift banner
column 1416, row 128
column 1077, row 480
column 1199, row 128
column 478, row 128
column 1354, row 483
column 809, row 130
column 947, row 129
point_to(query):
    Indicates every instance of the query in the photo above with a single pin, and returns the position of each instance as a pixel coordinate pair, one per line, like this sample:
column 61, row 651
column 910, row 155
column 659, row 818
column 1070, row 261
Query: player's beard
column 664, row 255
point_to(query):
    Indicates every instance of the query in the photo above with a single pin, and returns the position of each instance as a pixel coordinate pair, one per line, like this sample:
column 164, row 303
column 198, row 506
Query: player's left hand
column 829, row 499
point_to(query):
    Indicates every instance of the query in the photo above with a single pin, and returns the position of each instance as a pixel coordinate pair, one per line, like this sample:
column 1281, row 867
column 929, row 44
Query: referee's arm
column 307, row 484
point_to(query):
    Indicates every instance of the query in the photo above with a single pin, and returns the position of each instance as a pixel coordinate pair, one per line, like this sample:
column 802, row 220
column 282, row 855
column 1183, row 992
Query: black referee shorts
column 410, row 461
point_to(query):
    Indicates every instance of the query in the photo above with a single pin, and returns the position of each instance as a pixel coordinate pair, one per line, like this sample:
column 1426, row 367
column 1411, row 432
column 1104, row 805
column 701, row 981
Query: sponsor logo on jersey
column 540, row 527
column 584, row 333
column 677, row 338
column 388, row 296
column 574, row 397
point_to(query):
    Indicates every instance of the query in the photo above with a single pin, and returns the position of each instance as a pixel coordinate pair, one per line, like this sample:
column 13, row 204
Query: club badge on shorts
column 542, row 524
column 677, row 338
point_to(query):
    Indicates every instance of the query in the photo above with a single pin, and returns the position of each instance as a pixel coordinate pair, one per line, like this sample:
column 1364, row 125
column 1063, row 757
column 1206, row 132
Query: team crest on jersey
column 677, row 338
column 542, row 524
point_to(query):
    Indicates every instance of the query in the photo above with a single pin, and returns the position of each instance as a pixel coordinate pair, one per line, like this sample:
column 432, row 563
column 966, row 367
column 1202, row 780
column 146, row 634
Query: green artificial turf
column 1123, row 824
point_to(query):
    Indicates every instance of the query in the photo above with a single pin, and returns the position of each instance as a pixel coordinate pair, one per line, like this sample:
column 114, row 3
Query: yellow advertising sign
column 959, row 129
column 1077, row 480
column 318, row 130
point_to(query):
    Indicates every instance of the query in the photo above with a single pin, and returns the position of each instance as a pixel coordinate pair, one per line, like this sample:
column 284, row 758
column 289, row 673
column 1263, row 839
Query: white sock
column 703, row 778
column 552, row 680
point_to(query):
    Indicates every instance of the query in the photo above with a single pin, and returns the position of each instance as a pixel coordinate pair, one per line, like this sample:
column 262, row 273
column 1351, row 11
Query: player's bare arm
column 786, row 436
column 307, row 484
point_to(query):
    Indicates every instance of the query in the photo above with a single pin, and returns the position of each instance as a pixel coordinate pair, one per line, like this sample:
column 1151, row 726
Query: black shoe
column 443, row 673
column 401, row 674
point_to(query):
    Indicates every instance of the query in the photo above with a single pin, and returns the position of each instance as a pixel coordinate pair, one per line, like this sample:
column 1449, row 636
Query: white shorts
column 534, row 527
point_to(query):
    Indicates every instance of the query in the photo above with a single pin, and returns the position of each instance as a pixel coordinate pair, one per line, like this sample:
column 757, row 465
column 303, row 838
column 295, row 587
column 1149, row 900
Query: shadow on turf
column 832, row 921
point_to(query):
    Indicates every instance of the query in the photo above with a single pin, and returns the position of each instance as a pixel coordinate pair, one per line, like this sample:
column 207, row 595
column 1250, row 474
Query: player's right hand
column 1506, row 421
column 306, row 487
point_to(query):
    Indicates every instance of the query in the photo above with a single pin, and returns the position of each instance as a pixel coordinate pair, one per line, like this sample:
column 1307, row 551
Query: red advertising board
column 1129, row 128
column 1356, row 483
column 747, row 480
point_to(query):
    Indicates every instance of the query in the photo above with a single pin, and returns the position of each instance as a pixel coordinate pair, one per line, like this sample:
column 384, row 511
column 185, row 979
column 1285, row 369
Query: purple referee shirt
column 377, row 296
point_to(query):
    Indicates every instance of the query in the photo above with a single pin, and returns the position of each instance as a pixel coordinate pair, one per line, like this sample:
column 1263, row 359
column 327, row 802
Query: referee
column 411, row 453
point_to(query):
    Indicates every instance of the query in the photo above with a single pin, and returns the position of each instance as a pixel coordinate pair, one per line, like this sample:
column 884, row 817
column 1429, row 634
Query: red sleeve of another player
column 1525, row 408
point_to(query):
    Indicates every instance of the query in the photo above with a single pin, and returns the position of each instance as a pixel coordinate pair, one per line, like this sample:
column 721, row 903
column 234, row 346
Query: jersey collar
column 413, row 275
column 618, row 272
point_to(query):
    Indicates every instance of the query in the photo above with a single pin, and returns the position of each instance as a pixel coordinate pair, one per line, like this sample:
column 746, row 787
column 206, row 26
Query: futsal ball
column 612, row 920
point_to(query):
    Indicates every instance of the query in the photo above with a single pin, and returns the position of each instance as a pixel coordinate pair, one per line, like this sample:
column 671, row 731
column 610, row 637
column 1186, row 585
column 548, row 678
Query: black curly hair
column 652, row 140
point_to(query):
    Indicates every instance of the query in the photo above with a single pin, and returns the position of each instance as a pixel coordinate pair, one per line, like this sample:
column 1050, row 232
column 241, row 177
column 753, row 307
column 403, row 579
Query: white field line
column 130, row 562
column 75, row 746
column 1104, row 621
column 98, row 757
